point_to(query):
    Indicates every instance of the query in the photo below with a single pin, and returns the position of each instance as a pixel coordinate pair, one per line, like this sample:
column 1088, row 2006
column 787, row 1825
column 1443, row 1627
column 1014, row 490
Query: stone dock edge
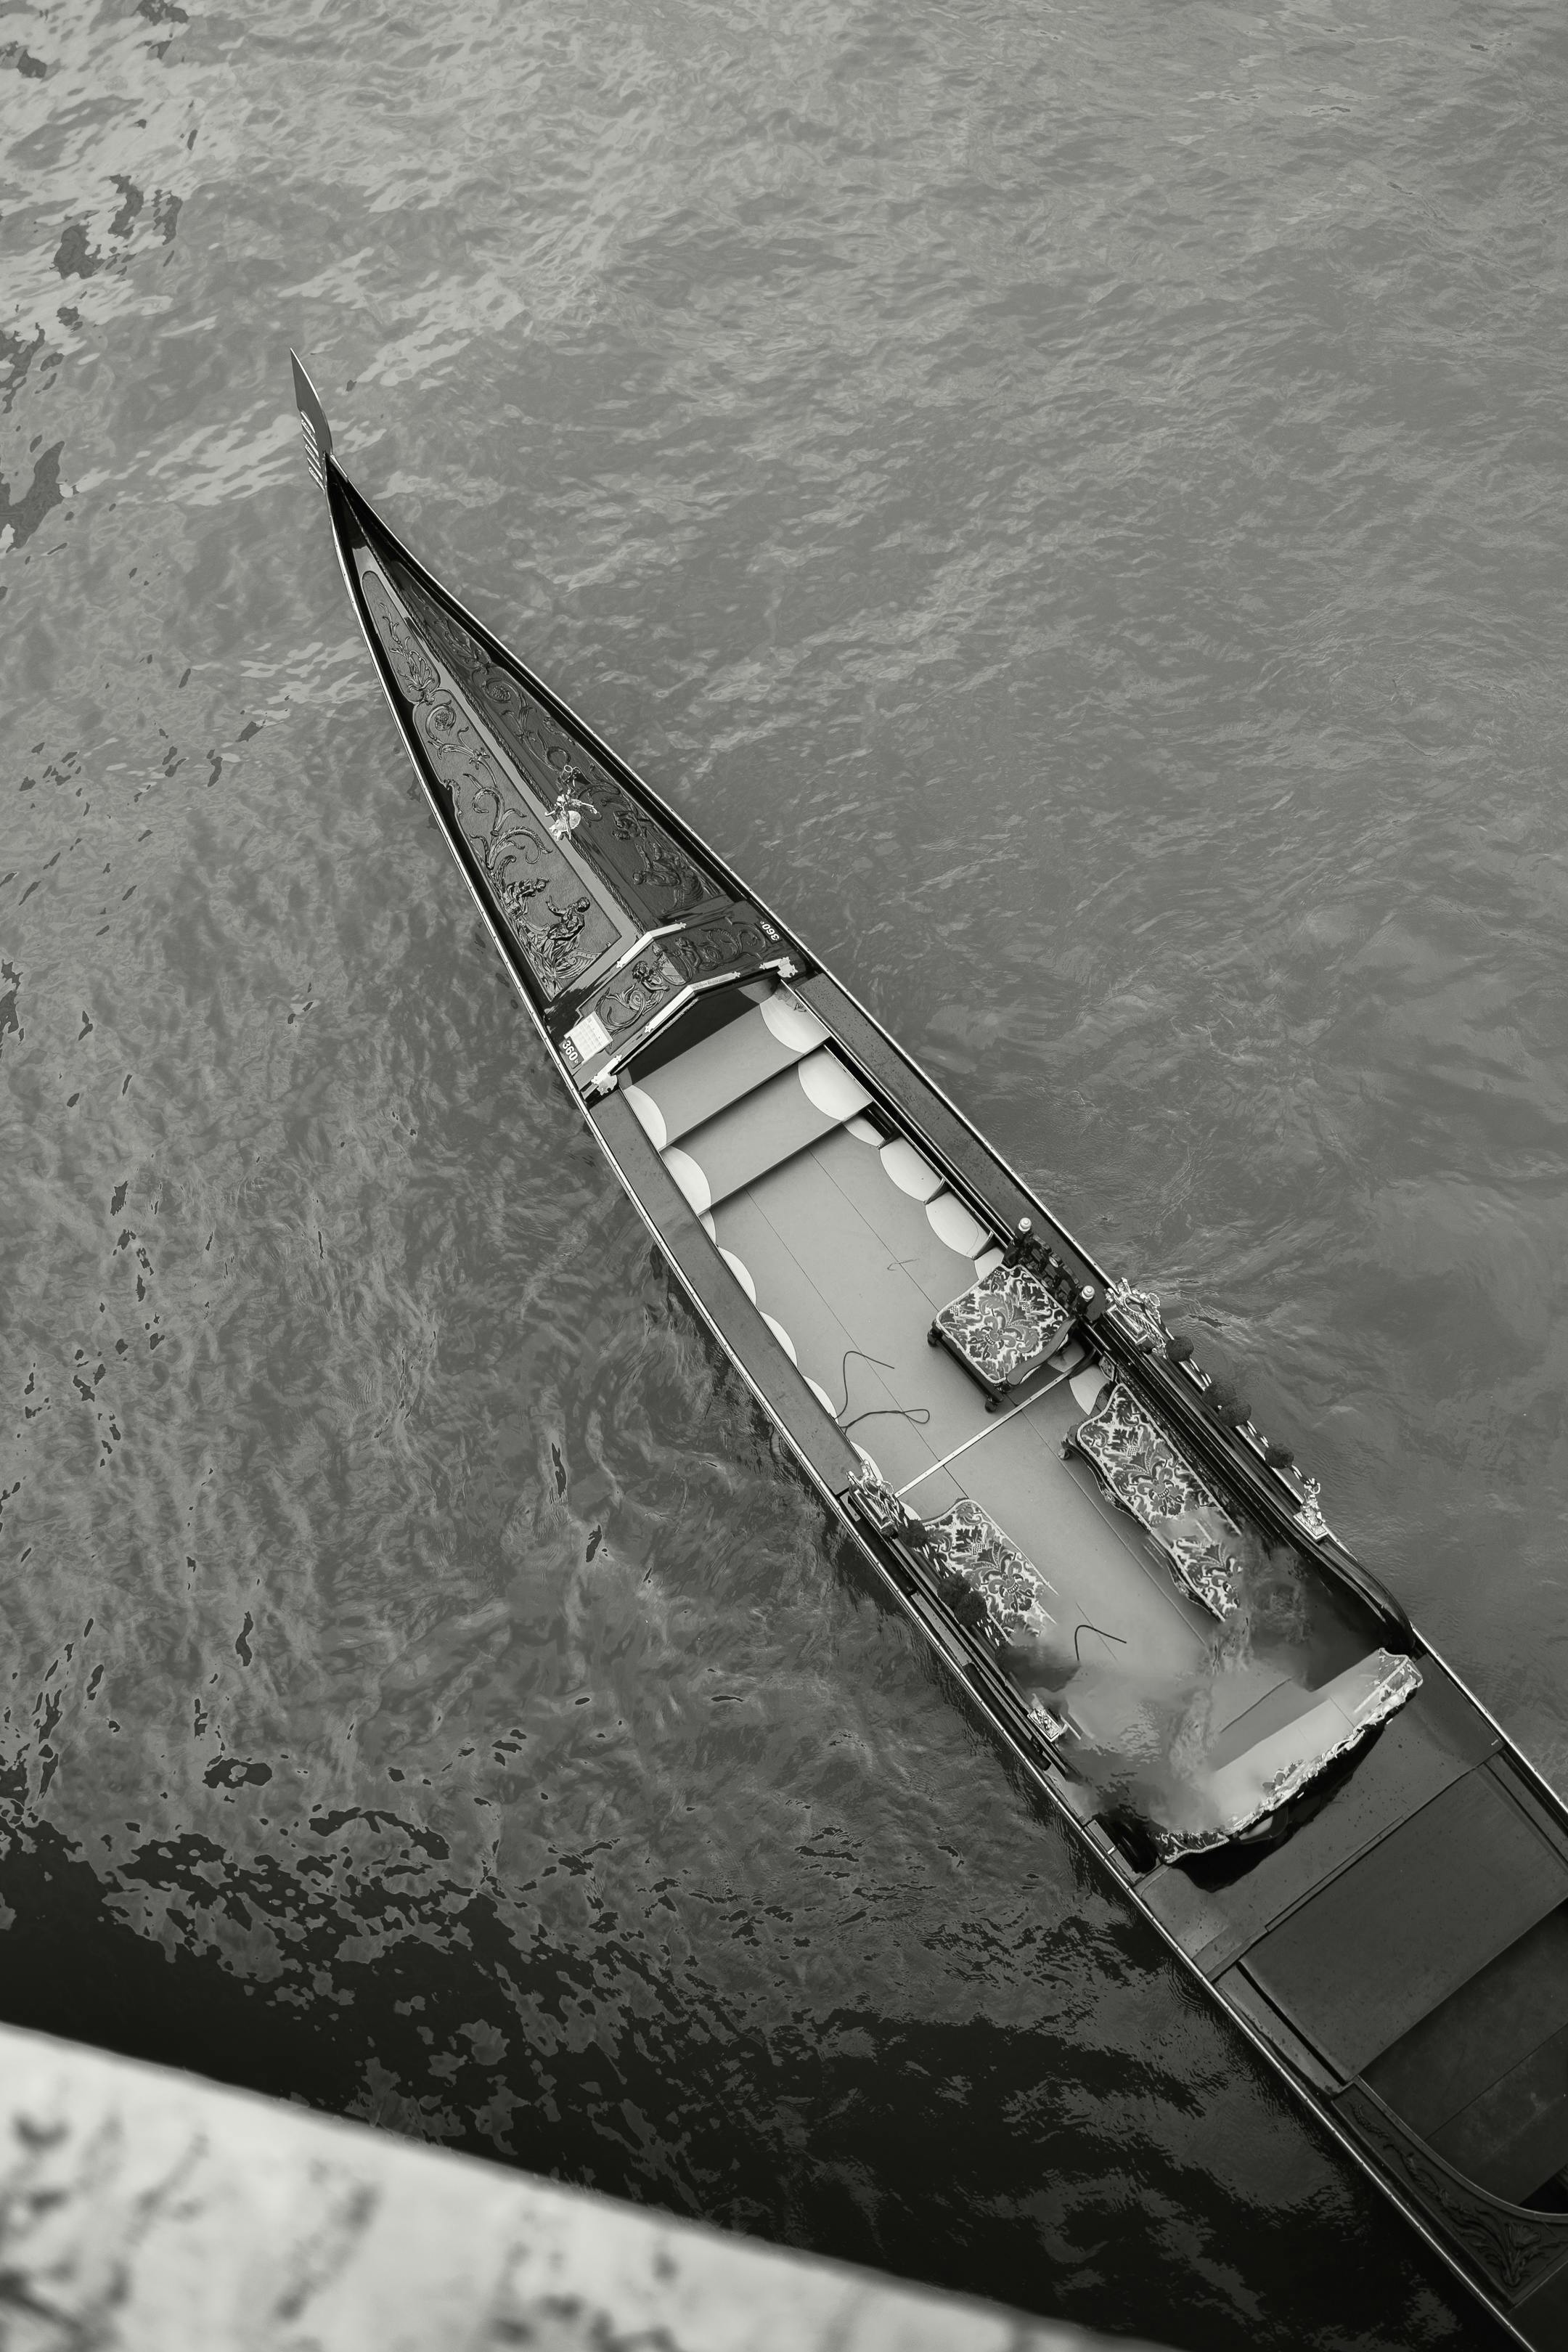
column 144, row 2209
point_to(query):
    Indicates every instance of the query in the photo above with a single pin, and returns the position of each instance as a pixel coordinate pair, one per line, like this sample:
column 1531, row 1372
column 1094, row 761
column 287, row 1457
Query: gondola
column 1132, row 1587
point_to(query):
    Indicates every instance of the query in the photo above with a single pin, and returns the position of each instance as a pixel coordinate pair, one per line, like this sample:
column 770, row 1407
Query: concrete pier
column 145, row 2210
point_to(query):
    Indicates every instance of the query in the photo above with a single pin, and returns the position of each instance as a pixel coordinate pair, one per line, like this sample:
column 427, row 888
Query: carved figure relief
column 561, row 928
column 626, row 847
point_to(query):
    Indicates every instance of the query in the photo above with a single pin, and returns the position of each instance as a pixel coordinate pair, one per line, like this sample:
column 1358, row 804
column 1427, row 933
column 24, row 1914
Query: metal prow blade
column 313, row 423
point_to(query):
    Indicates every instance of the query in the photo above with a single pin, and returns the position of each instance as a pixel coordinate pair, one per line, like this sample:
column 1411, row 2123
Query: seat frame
column 1027, row 1281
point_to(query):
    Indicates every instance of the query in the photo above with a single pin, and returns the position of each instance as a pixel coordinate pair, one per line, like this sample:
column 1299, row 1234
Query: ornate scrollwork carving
column 706, row 947
column 641, row 987
column 560, row 926
column 1511, row 2247
column 638, row 991
column 662, row 873
column 1309, row 1517
column 1137, row 1311
column 411, row 665
column 625, row 846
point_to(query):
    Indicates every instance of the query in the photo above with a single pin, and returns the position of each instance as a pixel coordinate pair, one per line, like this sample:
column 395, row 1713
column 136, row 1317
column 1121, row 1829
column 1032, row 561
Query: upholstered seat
column 1002, row 1328
column 1139, row 1468
column 967, row 1541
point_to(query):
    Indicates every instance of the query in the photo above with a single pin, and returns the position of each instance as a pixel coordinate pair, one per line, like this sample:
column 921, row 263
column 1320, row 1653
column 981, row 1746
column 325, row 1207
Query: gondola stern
column 314, row 428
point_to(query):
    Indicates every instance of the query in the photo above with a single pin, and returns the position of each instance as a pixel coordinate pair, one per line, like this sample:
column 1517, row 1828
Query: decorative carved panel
column 646, row 868
column 1511, row 2247
column 736, row 942
column 560, row 926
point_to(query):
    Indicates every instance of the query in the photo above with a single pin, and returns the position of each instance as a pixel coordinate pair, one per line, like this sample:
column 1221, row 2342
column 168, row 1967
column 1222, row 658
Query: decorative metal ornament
column 570, row 808
column 1309, row 1517
column 1137, row 1311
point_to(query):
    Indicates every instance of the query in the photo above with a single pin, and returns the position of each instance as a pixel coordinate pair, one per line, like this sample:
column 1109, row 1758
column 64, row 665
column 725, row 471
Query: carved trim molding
column 1512, row 2248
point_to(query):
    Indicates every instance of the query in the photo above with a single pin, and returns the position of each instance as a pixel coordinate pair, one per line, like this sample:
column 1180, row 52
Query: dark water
column 1073, row 503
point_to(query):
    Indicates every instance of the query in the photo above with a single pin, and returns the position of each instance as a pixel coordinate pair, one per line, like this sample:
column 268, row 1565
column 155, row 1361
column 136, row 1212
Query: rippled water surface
column 1072, row 501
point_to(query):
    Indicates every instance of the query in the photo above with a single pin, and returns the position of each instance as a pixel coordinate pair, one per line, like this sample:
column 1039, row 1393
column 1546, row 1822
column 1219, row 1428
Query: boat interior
column 1196, row 1675
column 1188, row 1670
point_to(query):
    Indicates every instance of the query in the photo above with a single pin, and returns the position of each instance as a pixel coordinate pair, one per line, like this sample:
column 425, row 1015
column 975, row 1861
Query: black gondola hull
column 1393, row 1918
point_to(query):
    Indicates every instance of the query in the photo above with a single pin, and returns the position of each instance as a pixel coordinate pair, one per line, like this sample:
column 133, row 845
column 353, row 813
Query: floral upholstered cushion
column 968, row 1541
column 1140, row 1468
column 1004, row 1325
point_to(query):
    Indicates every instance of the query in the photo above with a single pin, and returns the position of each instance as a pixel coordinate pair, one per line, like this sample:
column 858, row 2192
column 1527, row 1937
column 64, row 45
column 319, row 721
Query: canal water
column 1071, row 501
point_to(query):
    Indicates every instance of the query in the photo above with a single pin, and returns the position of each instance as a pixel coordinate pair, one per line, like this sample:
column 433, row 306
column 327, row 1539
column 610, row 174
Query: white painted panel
column 690, row 1178
column 739, row 1269
column 829, row 1088
column 791, row 1022
column 781, row 1335
column 648, row 1114
column 950, row 1221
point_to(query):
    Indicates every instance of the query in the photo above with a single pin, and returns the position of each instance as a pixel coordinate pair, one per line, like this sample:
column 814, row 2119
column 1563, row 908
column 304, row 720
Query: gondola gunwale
column 952, row 1651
